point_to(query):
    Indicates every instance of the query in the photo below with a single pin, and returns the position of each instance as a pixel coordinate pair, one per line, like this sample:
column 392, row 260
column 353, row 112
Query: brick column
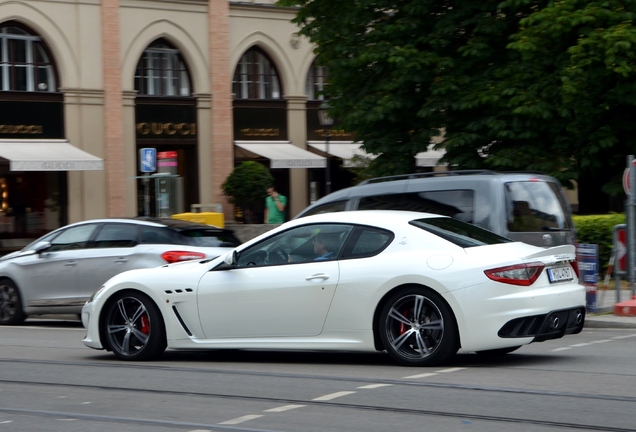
column 113, row 109
column 221, row 120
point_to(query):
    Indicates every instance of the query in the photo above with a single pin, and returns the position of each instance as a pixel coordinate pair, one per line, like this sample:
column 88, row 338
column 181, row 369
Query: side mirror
column 41, row 247
column 229, row 261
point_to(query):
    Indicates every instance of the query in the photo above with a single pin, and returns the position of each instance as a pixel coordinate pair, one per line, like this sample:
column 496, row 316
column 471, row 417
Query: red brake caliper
column 145, row 324
column 403, row 327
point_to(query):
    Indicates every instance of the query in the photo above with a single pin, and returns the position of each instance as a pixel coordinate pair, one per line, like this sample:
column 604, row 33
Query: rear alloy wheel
column 10, row 304
column 417, row 328
column 133, row 327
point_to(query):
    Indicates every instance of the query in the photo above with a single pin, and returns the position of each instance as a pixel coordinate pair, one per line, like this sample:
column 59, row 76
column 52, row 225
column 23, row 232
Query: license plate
column 560, row 274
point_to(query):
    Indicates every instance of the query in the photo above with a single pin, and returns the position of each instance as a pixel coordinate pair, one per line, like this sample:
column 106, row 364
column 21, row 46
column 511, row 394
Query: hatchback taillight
column 519, row 274
column 178, row 256
column 575, row 266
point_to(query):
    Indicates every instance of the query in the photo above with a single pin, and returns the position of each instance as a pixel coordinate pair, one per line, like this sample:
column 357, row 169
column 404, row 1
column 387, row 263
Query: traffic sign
column 147, row 160
column 620, row 248
column 626, row 179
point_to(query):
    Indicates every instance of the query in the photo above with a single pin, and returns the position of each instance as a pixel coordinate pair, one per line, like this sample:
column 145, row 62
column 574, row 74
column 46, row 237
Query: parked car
column 526, row 207
column 57, row 273
column 418, row 286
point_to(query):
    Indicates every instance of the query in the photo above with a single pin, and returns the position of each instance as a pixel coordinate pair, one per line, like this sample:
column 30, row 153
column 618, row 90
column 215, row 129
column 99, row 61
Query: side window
column 367, row 242
column 116, row 235
column 319, row 242
column 152, row 235
column 73, row 238
column 458, row 204
column 333, row 207
column 534, row 206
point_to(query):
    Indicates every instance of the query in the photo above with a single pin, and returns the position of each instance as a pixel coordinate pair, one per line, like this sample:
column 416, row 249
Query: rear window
column 535, row 206
column 209, row 238
column 459, row 204
column 457, row 232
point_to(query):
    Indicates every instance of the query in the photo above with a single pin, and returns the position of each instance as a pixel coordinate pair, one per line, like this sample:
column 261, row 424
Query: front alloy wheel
column 133, row 327
column 10, row 303
column 417, row 328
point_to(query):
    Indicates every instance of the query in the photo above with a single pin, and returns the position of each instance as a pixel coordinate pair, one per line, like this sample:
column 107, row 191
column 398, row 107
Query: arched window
column 316, row 82
column 162, row 72
column 24, row 62
column 255, row 77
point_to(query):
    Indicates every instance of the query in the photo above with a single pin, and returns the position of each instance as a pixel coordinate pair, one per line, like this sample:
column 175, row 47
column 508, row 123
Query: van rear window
column 533, row 206
column 459, row 204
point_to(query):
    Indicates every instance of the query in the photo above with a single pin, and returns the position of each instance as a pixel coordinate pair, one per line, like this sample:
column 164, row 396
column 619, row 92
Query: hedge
column 597, row 229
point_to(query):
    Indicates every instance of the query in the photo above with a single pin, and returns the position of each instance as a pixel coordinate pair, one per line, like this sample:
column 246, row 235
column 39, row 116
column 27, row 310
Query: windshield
column 460, row 233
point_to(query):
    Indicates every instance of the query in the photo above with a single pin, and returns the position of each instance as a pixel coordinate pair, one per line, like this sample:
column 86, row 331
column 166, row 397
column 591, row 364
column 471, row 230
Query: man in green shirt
column 275, row 205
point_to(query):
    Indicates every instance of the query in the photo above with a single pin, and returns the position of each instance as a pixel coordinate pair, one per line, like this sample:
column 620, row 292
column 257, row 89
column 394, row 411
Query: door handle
column 323, row 276
column 121, row 260
column 70, row 264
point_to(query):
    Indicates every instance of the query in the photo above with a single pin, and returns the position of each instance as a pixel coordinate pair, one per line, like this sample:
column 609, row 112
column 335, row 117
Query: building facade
column 128, row 107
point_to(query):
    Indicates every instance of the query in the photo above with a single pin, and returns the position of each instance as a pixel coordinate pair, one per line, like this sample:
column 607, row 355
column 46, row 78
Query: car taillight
column 519, row 274
column 178, row 256
column 575, row 266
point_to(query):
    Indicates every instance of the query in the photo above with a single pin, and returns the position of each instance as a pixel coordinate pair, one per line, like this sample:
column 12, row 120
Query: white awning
column 47, row 155
column 343, row 150
column 346, row 151
column 283, row 154
column 429, row 158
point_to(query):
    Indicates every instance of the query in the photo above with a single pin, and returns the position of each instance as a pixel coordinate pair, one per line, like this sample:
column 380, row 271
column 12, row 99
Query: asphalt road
column 50, row 382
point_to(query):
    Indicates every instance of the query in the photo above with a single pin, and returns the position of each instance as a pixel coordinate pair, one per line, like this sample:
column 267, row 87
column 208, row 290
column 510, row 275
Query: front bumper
column 552, row 325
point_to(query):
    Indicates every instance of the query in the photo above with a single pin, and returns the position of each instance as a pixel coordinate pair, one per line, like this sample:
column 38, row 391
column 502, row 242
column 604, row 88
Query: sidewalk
column 604, row 316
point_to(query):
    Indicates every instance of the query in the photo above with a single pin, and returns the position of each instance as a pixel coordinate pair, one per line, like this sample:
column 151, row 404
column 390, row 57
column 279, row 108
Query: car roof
column 175, row 224
column 381, row 218
column 398, row 183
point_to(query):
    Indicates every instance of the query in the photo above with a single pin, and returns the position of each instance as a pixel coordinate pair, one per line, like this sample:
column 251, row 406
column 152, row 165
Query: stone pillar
column 297, row 130
column 221, row 122
column 131, row 167
column 113, row 109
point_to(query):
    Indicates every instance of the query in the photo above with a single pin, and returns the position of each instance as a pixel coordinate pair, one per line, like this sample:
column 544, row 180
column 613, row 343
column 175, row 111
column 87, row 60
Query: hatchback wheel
column 10, row 303
column 417, row 328
column 133, row 327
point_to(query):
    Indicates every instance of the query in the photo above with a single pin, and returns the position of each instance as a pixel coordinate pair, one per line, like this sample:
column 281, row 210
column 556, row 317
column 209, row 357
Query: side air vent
column 183, row 324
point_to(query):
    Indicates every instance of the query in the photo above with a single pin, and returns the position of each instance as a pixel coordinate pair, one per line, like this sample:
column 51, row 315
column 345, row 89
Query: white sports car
column 418, row 286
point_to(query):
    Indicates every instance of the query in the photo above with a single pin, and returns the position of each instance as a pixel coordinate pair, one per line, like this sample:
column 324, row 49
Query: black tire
column 417, row 328
column 133, row 327
column 498, row 352
column 11, row 311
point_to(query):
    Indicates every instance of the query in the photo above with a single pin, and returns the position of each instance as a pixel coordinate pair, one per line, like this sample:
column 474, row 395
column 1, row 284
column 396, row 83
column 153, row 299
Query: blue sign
column 587, row 257
column 148, row 160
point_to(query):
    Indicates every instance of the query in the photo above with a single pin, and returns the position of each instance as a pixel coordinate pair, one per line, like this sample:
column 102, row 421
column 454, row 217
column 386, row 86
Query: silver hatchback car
column 57, row 273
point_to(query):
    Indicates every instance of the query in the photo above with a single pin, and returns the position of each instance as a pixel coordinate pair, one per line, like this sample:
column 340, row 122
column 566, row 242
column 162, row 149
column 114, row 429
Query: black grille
column 553, row 325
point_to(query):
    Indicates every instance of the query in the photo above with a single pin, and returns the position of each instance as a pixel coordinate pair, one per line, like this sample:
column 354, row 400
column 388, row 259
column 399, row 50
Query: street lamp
column 326, row 122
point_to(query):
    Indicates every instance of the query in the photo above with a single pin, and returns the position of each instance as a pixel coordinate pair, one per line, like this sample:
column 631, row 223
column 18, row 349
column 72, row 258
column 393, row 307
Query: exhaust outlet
column 579, row 317
column 554, row 323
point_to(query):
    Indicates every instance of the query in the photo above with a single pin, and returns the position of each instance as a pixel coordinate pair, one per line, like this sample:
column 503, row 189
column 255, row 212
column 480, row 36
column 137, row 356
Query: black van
column 526, row 207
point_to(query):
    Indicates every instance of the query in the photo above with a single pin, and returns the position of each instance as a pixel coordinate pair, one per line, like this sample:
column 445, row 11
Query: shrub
column 246, row 187
column 598, row 230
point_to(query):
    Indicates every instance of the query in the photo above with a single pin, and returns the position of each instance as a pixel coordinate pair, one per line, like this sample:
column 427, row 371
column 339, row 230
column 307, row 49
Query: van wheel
column 417, row 328
column 10, row 303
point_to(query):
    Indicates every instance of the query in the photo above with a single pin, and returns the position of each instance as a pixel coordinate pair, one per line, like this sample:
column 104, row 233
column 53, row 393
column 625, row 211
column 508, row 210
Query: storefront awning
column 429, row 158
column 343, row 150
column 47, row 155
column 346, row 151
column 282, row 154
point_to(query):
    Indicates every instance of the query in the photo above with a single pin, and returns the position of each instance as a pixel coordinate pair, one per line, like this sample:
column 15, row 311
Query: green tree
column 519, row 84
column 246, row 187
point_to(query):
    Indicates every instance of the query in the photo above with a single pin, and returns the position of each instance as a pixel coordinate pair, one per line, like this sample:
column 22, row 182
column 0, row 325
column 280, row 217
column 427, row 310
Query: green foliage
column 246, row 186
column 598, row 229
column 543, row 85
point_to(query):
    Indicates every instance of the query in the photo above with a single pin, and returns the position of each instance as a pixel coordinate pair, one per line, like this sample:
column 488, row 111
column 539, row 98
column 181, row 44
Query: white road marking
column 424, row 375
column 562, row 349
column 284, row 408
column 451, row 370
column 333, row 396
column 373, row 386
column 241, row 419
column 624, row 337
